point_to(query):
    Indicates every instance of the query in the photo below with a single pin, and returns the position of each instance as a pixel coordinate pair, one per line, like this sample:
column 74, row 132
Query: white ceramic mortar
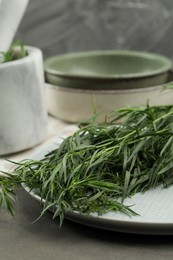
column 23, row 115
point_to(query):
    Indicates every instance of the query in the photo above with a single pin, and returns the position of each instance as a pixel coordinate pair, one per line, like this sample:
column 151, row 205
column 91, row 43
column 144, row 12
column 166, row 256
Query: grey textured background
column 59, row 26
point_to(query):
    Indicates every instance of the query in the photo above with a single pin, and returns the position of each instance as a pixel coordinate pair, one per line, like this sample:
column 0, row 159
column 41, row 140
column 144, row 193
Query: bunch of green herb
column 97, row 167
column 16, row 51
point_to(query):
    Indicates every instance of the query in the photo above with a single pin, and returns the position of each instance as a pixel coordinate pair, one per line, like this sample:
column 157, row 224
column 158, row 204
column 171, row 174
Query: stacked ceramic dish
column 80, row 83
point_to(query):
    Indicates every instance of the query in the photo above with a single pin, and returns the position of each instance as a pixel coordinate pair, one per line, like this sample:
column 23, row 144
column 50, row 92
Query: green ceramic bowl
column 107, row 70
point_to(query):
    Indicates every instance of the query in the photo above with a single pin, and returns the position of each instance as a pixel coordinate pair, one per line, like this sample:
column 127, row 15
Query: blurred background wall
column 60, row 26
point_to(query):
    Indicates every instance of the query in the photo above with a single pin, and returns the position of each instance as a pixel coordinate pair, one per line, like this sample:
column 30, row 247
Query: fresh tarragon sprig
column 96, row 168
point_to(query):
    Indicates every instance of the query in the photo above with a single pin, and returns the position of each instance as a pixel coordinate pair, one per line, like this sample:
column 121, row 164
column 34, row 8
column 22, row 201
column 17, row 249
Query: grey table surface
column 22, row 238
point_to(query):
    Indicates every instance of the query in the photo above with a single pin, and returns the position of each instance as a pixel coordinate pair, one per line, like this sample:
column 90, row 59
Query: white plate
column 155, row 209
